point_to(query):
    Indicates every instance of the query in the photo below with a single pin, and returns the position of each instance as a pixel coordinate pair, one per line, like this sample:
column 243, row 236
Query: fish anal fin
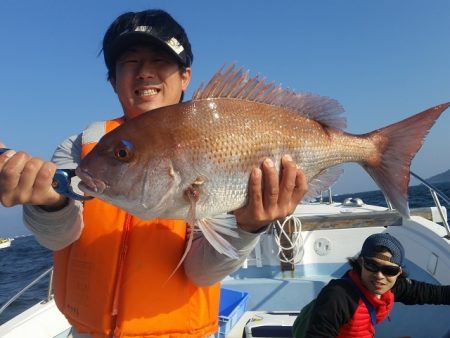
column 322, row 182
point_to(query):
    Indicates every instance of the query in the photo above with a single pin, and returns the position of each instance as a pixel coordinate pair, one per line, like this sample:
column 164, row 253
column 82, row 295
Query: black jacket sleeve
column 410, row 292
column 335, row 306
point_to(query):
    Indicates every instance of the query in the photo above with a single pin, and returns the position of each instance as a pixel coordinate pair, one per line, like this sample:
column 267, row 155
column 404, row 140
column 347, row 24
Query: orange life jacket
column 111, row 281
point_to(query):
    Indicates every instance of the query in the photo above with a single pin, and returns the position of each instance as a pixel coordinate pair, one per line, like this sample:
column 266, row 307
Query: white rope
column 295, row 240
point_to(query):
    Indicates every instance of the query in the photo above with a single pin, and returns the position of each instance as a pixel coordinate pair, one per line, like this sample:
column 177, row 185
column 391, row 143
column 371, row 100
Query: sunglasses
column 387, row 270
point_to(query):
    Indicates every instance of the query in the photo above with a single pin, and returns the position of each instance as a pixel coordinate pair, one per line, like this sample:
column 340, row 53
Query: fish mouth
column 89, row 184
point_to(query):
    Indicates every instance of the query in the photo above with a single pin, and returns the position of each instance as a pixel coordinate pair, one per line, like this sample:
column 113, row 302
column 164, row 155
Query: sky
column 382, row 60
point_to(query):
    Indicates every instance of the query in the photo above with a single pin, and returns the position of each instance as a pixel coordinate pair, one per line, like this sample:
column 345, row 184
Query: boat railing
column 435, row 192
column 330, row 196
column 21, row 292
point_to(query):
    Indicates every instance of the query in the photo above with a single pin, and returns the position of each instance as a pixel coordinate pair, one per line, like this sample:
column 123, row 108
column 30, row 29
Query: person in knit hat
column 352, row 305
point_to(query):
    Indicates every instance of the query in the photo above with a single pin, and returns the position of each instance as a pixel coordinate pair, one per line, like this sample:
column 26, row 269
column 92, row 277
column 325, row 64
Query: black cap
column 149, row 26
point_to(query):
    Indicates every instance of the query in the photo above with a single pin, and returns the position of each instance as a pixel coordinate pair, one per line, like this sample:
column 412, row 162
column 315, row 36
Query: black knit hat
column 147, row 27
column 385, row 240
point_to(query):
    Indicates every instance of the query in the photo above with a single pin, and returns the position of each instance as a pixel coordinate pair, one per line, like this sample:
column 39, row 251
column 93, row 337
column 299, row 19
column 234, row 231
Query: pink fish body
column 193, row 160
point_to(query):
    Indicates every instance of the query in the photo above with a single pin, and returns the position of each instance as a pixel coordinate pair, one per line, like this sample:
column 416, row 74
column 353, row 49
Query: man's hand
column 271, row 196
column 27, row 180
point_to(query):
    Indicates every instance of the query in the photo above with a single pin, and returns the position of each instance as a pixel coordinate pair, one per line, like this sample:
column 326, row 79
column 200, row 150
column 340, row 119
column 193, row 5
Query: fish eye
column 124, row 151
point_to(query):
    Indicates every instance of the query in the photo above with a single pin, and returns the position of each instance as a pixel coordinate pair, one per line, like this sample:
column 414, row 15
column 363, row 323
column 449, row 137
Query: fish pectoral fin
column 191, row 224
column 322, row 182
column 211, row 228
column 223, row 223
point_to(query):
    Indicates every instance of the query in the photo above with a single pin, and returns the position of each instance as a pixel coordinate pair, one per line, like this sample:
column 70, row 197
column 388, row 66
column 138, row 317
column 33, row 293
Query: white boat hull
column 329, row 235
column 43, row 320
column 5, row 243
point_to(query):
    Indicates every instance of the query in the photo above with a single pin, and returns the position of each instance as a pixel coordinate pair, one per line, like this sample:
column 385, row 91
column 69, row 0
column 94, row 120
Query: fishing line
column 295, row 240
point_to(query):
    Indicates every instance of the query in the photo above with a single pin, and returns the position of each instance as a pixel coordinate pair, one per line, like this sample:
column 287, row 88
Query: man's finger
column 271, row 183
column 288, row 182
column 45, row 176
column 28, row 175
column 12, row 164
column 301, row 187
column 5, row 157
column 255, row 190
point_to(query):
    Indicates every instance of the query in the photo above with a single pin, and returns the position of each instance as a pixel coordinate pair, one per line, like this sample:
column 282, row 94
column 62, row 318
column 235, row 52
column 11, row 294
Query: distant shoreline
column 440, row 178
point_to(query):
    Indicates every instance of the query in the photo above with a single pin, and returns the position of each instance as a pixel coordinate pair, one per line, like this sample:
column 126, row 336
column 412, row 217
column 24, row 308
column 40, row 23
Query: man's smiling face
column 147, row 78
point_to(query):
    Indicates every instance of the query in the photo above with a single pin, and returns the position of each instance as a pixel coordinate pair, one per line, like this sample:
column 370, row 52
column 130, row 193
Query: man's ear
column 186, row 78
column 112, row 81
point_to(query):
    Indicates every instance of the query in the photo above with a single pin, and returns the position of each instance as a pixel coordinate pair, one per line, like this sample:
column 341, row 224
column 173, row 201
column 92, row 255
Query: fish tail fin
column 398, row 144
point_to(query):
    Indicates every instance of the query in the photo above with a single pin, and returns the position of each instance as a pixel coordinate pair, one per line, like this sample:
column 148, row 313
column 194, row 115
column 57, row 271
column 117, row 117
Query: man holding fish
column 111, row 268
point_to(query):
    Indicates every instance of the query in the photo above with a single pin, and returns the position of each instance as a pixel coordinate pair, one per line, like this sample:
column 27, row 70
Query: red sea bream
column 192, row 160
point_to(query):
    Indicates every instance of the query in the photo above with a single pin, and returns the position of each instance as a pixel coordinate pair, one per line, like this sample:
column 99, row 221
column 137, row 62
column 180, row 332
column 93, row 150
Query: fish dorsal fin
column 237, row 84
